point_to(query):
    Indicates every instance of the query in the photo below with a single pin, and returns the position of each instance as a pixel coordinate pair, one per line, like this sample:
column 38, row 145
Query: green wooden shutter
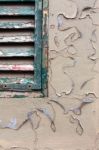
column 20, row 39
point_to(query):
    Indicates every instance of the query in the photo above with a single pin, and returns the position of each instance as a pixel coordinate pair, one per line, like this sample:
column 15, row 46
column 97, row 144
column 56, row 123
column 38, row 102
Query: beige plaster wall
column 69, row 118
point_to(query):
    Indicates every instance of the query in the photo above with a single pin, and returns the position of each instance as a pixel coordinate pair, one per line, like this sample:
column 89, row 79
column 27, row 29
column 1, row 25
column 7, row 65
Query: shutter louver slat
column 16, row 39
column 20, row 38
column 16, row 25
column 16, row 68
column 18, row 10
column 17, row 53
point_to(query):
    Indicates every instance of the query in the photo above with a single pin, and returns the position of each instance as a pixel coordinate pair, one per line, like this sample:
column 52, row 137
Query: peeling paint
column 79, row 128
column 16, row 25
column 16, row 10
column 16, row 67
column 73, row 81
column 17, row 38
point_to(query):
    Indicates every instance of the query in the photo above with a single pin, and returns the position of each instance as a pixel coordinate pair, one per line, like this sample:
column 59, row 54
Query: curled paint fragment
column 12, row 124
column 50, row 115
column 56, row 41
column 69, row 9
column 86, row 100
column 30, row 118
column 79, row 128
column 85, row 82
column 84, row 5
column 60, row 105
column 72, row 36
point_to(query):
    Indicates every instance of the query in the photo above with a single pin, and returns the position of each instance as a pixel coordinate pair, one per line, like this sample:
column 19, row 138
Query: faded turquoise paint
column 16, row 25
column 23, row 11
column 40, row 52
column 17, row 53
column 38, row 43
column 17, row 39
column 45, row 48
column 17, row 84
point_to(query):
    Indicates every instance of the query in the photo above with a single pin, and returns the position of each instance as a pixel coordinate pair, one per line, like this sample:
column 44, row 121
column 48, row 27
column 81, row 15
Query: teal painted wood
column 38, row 44
column 45, row 48
column 16, row 84
column 17, row 53
column 17, row 10
column 17, row 25
column 17, row 39
column 36, row 82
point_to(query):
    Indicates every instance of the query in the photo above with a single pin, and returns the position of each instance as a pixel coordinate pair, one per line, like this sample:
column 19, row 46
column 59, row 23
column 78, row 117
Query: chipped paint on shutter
column 45, row 47
column 22, row 36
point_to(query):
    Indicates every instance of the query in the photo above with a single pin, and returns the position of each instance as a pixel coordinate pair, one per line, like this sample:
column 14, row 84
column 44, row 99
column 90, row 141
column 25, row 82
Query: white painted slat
column 16, row 68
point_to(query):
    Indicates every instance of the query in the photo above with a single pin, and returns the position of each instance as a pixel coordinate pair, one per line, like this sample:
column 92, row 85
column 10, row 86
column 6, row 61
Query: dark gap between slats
column 16, row 61
column 18, row 44
column 17, row 3
column 18, row 17
column 16, row 74
column 29, row 29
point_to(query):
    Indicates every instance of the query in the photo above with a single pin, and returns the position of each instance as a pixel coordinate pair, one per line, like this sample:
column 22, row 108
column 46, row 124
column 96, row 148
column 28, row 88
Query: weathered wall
column 68, row 119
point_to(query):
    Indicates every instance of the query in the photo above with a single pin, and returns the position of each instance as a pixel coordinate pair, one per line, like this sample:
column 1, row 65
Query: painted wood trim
column 17, row 53
column 45, row 29
column 17, row 10
column 17, row 25
column 17, row 39
column 16, row 68
column 17, row 84
column 7, row 90
column 38, row 44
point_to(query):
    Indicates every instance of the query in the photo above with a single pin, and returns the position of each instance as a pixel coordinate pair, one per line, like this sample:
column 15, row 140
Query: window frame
column 41, row 65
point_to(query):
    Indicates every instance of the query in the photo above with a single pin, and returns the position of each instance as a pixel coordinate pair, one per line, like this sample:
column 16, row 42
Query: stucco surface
column 68, row 119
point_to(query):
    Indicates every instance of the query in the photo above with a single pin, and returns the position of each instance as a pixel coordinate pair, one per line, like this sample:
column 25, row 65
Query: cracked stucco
column 68, row 118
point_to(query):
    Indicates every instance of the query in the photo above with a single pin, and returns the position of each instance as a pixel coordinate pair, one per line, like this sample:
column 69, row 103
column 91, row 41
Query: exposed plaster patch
column 84, row 5
column 72, row 50
column 71, row 11
column 86, row 100
column 32, row 117
column 49, row 112
column 67, row 85
column 68, row 8
column 90, row 98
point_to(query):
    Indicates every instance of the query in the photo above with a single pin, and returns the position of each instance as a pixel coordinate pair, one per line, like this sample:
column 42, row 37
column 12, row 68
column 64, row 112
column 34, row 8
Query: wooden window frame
column 40, row 82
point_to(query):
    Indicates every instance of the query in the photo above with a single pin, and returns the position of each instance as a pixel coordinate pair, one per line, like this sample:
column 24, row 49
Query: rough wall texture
column 68, row 119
